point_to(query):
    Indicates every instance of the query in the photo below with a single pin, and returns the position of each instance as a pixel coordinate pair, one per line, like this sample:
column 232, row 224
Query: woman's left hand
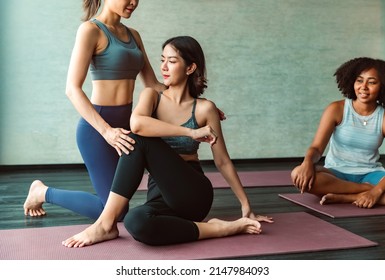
column 260, row 218
column 369, row 198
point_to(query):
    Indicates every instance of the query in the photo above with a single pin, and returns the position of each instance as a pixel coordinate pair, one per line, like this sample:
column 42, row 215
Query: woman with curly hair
column 167, row 128
column 354, row 128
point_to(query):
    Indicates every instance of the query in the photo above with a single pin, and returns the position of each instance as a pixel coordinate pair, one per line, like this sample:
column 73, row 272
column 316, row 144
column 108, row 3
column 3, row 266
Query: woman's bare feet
column 95, row 233
column 331, row 198
column 365, row 199
column 33, row 205
column 242, row 225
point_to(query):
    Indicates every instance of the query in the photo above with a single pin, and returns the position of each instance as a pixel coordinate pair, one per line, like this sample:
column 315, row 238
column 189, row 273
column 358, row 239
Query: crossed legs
column 105, row 227
column 332, row 189
column 186, row 193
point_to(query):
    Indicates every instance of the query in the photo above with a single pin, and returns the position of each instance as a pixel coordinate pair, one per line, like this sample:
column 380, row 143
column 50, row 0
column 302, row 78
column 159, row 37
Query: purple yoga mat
column 248, row 179
column 290, row 233
column 332, row 210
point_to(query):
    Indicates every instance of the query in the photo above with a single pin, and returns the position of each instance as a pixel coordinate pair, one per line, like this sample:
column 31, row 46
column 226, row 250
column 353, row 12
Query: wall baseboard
column 205, row 163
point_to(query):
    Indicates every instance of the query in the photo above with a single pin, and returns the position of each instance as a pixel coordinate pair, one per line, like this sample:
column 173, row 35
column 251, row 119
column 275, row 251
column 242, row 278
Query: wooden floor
column 14, row 185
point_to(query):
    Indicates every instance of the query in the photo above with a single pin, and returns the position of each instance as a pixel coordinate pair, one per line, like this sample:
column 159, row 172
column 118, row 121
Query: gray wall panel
column 270, row 68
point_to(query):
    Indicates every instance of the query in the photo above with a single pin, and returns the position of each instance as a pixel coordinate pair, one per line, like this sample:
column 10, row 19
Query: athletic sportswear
column 119, row 60
column 355, row 142
column 183, row 144
column 179, row 193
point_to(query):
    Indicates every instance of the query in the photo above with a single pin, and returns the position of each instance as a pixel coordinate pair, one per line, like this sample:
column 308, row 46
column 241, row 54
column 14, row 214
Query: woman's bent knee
column 138, row 224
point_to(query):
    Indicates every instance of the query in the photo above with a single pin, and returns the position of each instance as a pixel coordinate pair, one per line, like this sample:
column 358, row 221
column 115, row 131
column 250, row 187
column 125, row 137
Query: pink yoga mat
column 332, row 210
column 290, row 233
column 248, row 179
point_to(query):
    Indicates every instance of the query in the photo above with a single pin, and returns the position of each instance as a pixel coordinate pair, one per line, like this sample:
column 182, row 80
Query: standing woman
column 115, row 55
column 169, row 127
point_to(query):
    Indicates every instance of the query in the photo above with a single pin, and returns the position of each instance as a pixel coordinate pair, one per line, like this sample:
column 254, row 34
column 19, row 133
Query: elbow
column 221, row 163
column 135, row 126
column 69, row 92
column 135, row 129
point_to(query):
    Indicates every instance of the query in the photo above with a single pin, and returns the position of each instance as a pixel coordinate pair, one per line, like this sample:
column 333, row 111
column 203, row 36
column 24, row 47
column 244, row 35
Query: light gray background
column 270, row 68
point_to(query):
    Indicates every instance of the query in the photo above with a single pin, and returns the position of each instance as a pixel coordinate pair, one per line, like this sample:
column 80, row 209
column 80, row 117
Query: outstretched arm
column 207, row 112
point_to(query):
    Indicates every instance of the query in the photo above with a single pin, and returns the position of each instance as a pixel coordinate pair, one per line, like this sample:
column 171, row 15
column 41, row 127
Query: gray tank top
column 120, row 60
column 183, row 144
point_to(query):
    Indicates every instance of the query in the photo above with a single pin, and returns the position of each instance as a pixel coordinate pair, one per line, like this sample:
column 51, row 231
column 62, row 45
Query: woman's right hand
column 303, row 176
column 205, row 134
column 119, row 139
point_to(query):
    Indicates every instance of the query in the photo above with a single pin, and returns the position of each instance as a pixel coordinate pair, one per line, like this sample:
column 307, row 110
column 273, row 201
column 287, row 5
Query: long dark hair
column 90, row 8
column 191, row 52
column 348, row 72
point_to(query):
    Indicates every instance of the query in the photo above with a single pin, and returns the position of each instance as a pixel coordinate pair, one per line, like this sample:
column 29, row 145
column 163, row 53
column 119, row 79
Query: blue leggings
column 178, row 193
column 100, row 159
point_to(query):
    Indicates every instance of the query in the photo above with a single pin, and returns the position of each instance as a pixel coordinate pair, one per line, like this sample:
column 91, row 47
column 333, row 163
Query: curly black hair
column 191, row 52
column 348, row 72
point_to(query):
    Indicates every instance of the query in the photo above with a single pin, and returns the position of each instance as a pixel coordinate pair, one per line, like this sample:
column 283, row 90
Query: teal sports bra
column 183, row 144
column 120, row 60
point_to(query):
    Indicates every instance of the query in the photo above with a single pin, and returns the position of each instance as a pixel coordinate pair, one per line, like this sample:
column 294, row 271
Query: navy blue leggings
column 179, row 193
column 100, row 159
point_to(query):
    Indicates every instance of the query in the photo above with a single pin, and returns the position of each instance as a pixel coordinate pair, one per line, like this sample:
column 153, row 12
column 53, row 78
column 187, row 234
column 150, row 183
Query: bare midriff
column 112, row 92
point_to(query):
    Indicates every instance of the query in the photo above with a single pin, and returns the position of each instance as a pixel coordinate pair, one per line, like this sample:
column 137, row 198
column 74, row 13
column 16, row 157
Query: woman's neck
column 109, row 18
column 364, row 109
column 178, row 94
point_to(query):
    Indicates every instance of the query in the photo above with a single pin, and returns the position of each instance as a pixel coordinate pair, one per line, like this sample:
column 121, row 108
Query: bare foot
column 331, row 198
column 242, row 225
column 33, row 205
column 95, row 233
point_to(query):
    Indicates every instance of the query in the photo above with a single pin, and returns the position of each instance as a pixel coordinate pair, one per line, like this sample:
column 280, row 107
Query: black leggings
column 179, row 193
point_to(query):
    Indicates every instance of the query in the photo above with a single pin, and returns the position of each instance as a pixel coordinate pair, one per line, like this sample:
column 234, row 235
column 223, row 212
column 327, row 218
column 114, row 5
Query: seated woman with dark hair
column 168, row 128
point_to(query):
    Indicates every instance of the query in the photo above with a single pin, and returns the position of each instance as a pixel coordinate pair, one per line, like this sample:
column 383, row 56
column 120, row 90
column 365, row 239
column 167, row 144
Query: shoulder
column 336, row 106
column 147, row 103
column 133, row 31
column 206, row 105
column 335, row 111
column 88, row 28
column 88, row 33
column 87, row 37
column 206, row 110
column 149, row 93
column 136, row 35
